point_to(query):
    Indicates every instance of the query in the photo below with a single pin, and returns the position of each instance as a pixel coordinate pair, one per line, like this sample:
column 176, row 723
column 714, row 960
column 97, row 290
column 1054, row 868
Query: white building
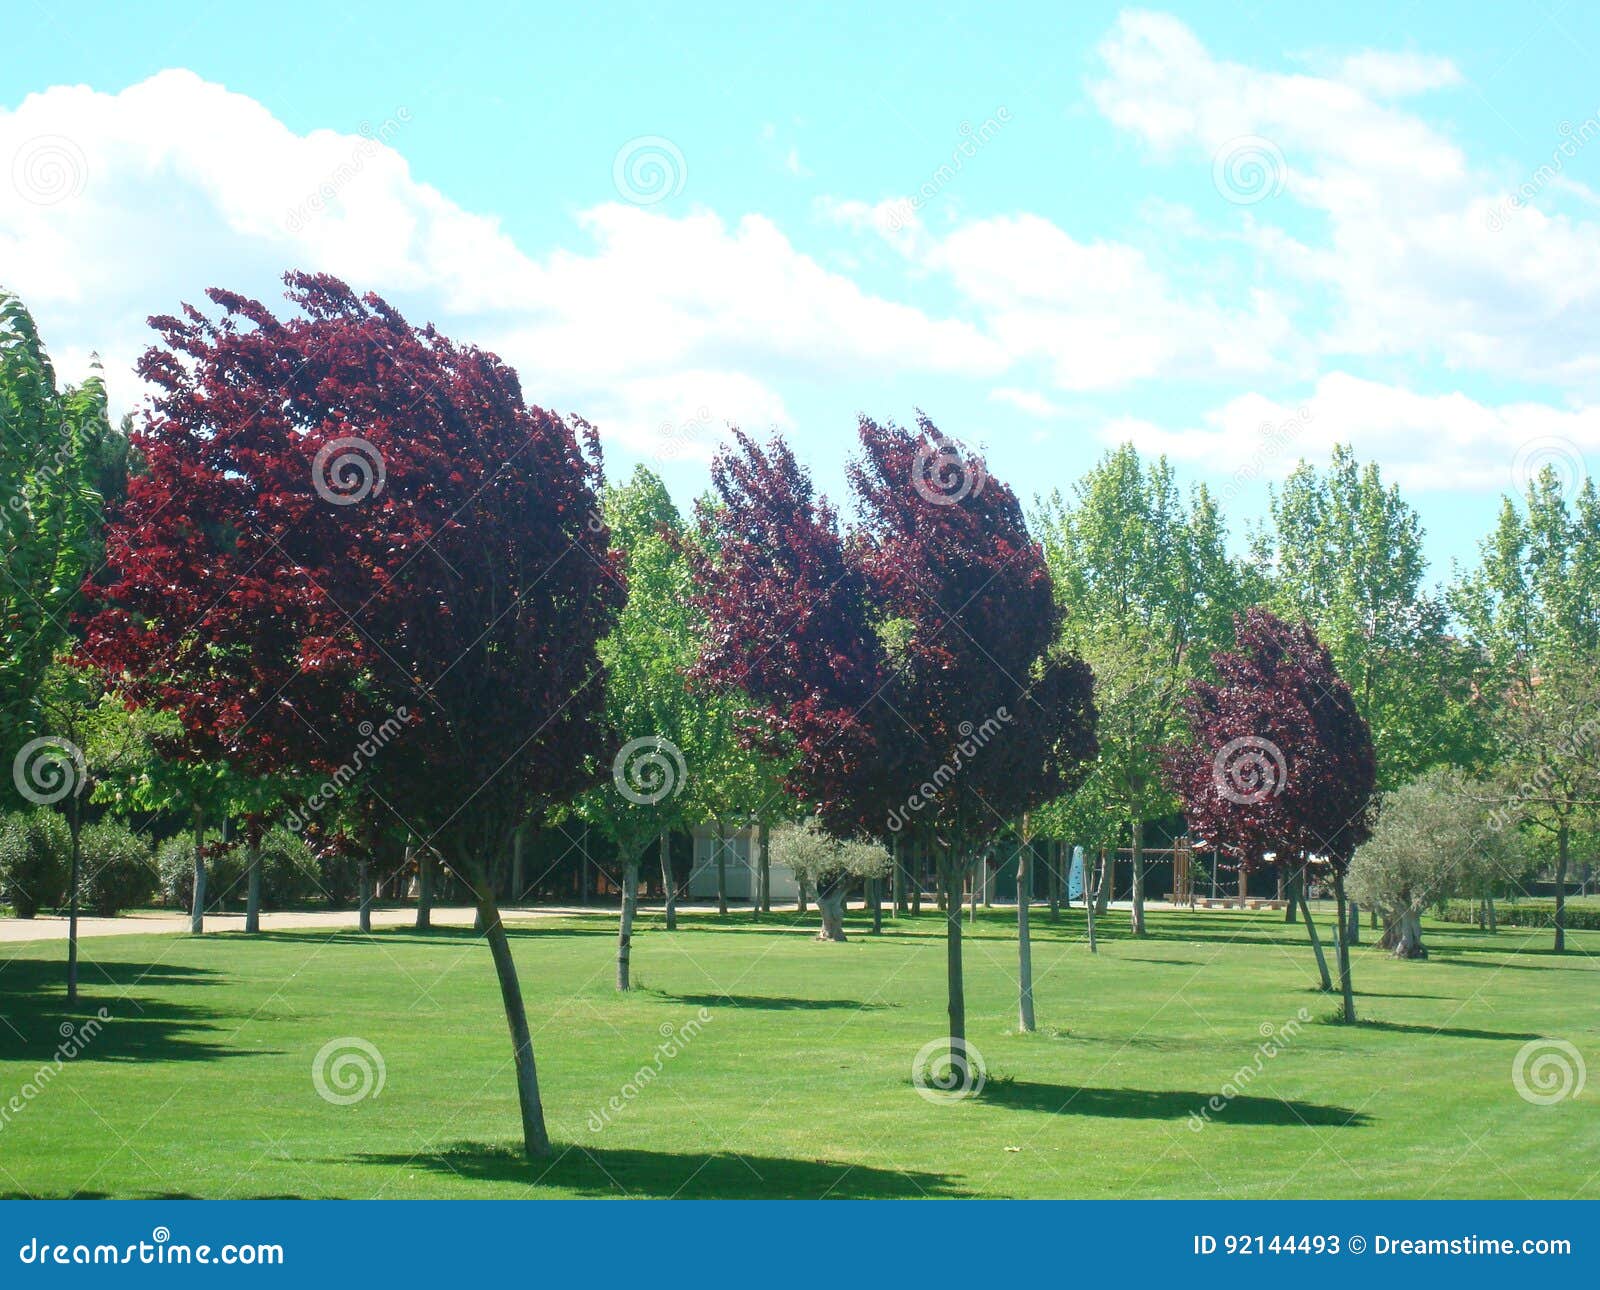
column 739, row 857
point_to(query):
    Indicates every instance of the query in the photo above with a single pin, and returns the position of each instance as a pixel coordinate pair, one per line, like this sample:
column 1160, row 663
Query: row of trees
column 357, row 581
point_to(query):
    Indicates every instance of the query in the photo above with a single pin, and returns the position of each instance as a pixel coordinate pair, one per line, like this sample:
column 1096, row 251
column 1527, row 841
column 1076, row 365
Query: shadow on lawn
column 35, row 1020
column 1449, row 1032
column 1161, row 1104
column 617, row 1171
column 773, row 1003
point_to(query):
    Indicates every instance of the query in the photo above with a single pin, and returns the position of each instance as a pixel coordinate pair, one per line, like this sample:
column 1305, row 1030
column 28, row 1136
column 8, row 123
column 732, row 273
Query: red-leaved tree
column 1279, row 759
column 906, row 659
column 345, row 518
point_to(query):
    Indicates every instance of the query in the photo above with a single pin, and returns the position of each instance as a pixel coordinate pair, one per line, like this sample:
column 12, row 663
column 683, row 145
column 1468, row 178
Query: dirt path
column 54, row 927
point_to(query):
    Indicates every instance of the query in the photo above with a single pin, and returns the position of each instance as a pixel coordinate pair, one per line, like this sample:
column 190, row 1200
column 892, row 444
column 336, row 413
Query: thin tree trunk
column 1136, row 919
column 1024, row 948
column 954, row 982
column 197, row 911
column 1108, row 882
column 535, row 1140
column 919, row 862
column 764, row 865
column 1344, row 951
column 1091, row 895
column 1488, row 907
column 518, row 838
column 364, row 870
column 668, row 885
column 630, row 898
column 1352, row 926
column 1563, row 845
column 1311, row 930
column 252, row 908
column 972, row 916
column 1055, row 851
column 425, row 877
column 875, row 896
column 75, row 815
column 722, row 869
column 898, row 888
column 1291, row 889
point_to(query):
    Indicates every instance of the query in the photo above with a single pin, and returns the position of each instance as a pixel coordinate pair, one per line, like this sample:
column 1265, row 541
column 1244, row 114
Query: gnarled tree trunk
column 1402, row 934
column 830, row 904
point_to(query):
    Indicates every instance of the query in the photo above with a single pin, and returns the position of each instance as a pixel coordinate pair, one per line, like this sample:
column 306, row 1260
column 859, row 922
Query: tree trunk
column 630, row 900
column 1344, row 951
column 1091, row 895
column 1056, row 852
column 1402, row 936
column 75, row 816
column 954, row 983
column 668, row 885
column 1108, row 881
column 1563, row 846
column 972, row 913
column 1352, row 925
column 722, row 869
column 830, row 904
column 535, row 1140
column 764, row 865
column 1292, row 882
column 1024, row 949
column 898, row 885
column 364, row 870
column 1488, row 909
column 1311, row 931
column 518, row 838
column 252, row 908
column 197, row 910
column 919, row 865
column 1136, row 918
column 800, row 898
column 425, row 876
column 875, row 898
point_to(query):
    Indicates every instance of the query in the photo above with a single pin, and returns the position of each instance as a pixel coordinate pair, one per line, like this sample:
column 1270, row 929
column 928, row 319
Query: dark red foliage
column 911, row 651
column 1279, row 758
column 283, row 603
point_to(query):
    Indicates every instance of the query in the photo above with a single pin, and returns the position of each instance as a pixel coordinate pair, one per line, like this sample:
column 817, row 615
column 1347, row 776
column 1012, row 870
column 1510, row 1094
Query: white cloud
column 1422, row 255
column 1029, row 401
column 122, row 205
column 1425, row 442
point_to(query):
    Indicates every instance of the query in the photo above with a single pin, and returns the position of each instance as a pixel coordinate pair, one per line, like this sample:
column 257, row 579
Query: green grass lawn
column 799, row 1083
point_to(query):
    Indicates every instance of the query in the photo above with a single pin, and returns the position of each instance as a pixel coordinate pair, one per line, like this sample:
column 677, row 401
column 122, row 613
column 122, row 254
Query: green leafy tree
column 1149, row 592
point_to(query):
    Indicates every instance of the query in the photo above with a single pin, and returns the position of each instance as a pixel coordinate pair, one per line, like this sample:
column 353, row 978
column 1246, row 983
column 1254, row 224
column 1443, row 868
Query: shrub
column 289, row 871
column 224, row 870
column 35, row 860
column 119, row 869
column 1579, row 918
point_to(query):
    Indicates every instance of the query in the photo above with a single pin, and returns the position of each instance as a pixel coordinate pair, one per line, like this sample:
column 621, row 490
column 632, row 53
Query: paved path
column 54, row 927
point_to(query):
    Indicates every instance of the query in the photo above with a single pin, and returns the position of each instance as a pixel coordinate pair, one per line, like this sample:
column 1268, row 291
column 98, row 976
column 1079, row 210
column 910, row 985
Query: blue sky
column 1178, row 225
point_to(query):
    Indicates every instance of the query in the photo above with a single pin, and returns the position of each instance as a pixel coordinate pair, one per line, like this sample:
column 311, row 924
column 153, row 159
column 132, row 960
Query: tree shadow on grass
column 774, row 1003
column 1449, row 1032
column 1162, row 1104
column 38, row 1025
column 1549, row 961
column 617, row 1171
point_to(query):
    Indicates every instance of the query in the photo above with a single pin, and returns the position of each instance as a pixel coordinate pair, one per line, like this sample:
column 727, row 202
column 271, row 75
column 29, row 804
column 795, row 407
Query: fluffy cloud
column 1425, row 442
column 1425, row 255
column 122, row 205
